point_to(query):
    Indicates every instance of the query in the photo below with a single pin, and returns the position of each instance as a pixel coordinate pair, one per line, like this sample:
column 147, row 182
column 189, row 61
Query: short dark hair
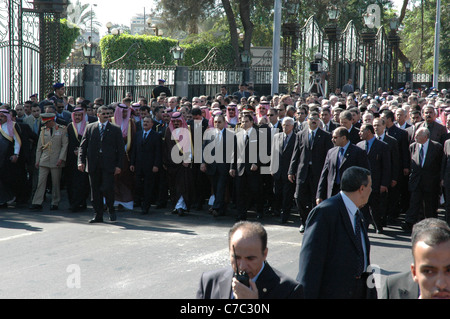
column 353, row 178
column 196, row 111
column 254, row 229
column 432, row 231
column 368, row 126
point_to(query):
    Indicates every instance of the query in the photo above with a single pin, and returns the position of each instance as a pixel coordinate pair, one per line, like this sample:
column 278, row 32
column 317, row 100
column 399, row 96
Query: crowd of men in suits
column 270, row 154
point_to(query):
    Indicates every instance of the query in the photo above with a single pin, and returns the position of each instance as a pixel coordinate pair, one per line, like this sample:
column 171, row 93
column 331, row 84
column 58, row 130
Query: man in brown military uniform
column 51, row 154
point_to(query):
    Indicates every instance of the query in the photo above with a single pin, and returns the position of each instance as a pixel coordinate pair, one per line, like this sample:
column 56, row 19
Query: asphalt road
column 57, row 254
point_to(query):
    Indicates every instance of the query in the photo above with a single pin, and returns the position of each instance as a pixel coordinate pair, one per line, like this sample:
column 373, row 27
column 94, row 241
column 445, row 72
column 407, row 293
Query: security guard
column 51, row 154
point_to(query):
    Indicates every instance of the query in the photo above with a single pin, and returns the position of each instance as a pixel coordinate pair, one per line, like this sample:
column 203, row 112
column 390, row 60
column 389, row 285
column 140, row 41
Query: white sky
column 121, row 12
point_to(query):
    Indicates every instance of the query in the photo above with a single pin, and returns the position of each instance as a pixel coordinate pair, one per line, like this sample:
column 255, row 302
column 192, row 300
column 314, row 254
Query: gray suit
column 400, row 286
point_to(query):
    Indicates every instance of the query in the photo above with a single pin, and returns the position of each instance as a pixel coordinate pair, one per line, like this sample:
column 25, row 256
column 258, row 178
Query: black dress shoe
column 54, row 207
column 112, row 216
column 95, row 220
column 36, row 207
column 181, row 212
column 407, row 227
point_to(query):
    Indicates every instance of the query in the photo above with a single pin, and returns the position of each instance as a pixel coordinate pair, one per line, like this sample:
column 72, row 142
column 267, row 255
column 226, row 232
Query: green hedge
column 148, row 49
column 69, row 34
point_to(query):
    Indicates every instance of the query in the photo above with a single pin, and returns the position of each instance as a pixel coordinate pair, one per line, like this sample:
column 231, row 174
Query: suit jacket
column 354, row 156
column 245, row 153
column 354, row 135
column 329, row 254
column 438, row 132
column 146, row 153
column 380, row 163
column 331, row 126
column 429, row 175
column 400, row 286
column 112, row 146
column 395, row 160
column 303, row 154
column 445, row 168
column 271, row 284
column 220, row 162
column 403, row 145
column 281, row 156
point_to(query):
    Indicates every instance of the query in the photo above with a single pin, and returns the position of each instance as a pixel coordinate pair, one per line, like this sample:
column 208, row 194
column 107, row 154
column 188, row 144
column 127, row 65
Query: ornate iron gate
column 29, row 48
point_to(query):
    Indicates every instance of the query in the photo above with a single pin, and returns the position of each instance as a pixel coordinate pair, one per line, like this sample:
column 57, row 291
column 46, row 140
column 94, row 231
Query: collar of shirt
column 351, row 207
column 315, row 131
column 254, row 279
column 425, row 147
column 371, row 142
column 381, row 136
column 346, row 146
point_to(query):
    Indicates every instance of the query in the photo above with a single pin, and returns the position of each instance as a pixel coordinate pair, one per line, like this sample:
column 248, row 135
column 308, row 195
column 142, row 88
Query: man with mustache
column 437, row 131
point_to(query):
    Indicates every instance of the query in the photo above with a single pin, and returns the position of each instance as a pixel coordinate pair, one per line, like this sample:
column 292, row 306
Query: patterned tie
column 102, row 131
column 359, row 242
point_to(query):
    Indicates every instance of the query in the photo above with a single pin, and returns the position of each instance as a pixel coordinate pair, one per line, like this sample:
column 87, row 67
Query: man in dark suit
column 101, row 154
column 445, row 179
column 310, row 150
column 216, row 163
column 245, row 167
column 247, row 242
column 380, row 168
column 328, row 124
column 335, row 250
column 77, row 181
column 281, row 153
column 346, row 118
column 425, row 178
column 398, row 196
column 339, row 158
column 380, row 127
column 146, row 160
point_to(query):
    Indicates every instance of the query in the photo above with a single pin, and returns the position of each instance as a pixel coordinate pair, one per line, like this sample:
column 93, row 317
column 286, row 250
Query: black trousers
column 219, row 185
column 145, row 189
column 248, row 191
column 102, row 185
column 428, row 199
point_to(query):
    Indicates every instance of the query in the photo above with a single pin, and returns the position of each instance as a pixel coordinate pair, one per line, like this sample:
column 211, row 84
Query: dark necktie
column 285, row 141
column 145, row 135
column 421, row 156
column 338, row 164
column 311, row 140
column 359, row 242
column 367, row 147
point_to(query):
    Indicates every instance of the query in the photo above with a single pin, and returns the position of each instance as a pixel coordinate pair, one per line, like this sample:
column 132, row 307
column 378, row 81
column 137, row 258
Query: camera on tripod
column 316, row 69
column 316, row 66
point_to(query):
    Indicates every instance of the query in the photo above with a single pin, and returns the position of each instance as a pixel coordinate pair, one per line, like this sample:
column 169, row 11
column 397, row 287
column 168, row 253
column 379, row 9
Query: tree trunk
column 244, row 12
column 233, row 29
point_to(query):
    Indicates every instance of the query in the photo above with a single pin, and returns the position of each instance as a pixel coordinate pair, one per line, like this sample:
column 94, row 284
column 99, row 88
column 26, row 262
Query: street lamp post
column 394, row 43
column 181, row 72
column 436, row 44
column 332, row 32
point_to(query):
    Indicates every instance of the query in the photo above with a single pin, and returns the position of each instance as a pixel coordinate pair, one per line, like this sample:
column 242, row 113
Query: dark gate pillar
column 332, row 33
column 50, row 12
column 369, row 39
